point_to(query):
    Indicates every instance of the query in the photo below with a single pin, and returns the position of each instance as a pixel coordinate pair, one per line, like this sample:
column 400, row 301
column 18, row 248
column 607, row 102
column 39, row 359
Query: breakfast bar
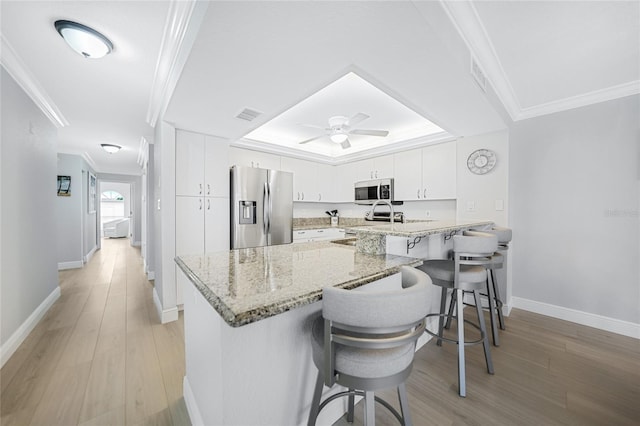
column 248, row 314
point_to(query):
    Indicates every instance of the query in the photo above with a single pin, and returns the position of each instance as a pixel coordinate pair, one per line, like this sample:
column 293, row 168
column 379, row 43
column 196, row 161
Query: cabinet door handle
column 319, row 197
column 424, row 193
column 418, row 192
column 257, row 165
column 252, row 164
column 200, row 204
column 208, row 204
column 208, row 189
column 376, row 174
column 298, row 196
column 200, row 186
column 302, row 196
column 371, row 174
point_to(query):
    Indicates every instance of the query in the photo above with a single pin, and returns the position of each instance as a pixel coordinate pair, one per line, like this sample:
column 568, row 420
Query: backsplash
column 413, row 210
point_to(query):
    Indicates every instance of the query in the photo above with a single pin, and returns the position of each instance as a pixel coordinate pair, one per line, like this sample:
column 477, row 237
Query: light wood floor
column 100, row 357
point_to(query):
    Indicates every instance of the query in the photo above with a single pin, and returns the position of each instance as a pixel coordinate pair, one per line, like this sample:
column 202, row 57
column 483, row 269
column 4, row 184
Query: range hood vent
column 248, row 114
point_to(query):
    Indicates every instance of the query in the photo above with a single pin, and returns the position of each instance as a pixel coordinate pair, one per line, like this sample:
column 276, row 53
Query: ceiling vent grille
column 478, row 75
column 248, row 114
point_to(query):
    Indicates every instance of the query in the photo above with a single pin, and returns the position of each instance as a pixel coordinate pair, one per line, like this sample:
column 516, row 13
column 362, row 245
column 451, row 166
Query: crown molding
column 27, row 81
column 597, row 96
column 334, row 161
column 180, row 31
column 464, row 17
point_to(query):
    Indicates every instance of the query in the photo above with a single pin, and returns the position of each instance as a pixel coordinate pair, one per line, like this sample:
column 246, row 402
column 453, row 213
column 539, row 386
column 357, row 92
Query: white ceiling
column 539, row 57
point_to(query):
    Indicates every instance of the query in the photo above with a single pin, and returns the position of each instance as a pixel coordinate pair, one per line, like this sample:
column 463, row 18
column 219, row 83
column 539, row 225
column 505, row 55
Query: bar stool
column 465, row 272
column 504, row 238
column 366, row 341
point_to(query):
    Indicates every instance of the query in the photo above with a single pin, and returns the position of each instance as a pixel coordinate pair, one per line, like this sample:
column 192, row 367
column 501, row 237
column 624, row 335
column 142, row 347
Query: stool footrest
column 447, row 339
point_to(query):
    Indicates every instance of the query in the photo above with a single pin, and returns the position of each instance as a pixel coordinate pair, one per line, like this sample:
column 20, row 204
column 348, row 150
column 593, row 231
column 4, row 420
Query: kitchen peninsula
column 248, row 314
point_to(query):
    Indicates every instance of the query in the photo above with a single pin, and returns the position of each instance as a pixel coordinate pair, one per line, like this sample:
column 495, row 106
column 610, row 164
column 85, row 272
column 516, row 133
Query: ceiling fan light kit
column 340, row 127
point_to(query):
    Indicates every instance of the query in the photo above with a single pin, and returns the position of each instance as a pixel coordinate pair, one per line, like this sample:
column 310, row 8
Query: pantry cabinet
column 428, row 173
column 202, row 196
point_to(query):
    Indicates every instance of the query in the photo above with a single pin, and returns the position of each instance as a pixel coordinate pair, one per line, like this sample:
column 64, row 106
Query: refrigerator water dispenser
column 247, row 213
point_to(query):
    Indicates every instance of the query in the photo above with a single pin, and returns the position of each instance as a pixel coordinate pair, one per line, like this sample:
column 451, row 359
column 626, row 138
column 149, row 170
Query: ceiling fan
column 341, row 127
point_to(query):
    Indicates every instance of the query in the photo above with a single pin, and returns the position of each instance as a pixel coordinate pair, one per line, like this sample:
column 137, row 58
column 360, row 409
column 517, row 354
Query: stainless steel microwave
column 370, row 191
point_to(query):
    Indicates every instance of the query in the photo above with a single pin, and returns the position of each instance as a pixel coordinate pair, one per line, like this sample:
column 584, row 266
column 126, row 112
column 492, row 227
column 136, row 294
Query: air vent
column 248, row 114
column 478, row 75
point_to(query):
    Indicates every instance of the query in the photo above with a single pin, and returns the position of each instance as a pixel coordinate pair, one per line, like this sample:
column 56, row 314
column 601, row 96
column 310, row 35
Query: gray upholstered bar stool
column 497, row 262
column 365, row 341
column 465, row 272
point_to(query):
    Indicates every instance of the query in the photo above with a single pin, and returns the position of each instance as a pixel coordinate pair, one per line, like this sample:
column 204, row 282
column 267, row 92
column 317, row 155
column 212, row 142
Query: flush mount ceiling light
column 110, row 148
column 84, row 40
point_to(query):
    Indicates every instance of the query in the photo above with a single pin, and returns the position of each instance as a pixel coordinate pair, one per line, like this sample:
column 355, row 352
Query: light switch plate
column 471, row 206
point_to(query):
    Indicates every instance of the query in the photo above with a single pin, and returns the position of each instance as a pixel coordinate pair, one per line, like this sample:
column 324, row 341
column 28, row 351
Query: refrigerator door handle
column 265, row 209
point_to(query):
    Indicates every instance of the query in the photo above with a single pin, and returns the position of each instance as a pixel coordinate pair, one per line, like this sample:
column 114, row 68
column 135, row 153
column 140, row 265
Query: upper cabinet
column 426, row 174
column 202, row 167
column 374, row 168
column 344, row 176
column 249, row 158
column 312, row 182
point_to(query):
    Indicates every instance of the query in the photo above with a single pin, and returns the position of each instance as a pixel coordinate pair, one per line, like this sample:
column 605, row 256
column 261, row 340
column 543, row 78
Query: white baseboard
column 151, row 275
column 165, row 315
column 612, row 325
column 70, row 265
column 16, row 339
column 89, row 255
column 190, row 402
column 136, row 244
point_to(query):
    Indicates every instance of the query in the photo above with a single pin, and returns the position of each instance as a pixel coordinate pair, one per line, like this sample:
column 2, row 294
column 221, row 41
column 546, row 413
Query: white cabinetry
column 312, row 182
column 202, row 196
column 374, row 168
column 249, row 158
column 307, row 235
column 426, row 174
column 344, row 176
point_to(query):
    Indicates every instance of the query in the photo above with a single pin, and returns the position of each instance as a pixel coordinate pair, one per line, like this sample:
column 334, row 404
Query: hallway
column 99, row 356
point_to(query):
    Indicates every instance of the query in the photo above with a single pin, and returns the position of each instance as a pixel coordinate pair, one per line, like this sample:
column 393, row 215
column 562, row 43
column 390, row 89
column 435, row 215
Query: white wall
column 478, row 195
column 68, row 213
column 574, row 210
column 165, row 295
column 28, row 273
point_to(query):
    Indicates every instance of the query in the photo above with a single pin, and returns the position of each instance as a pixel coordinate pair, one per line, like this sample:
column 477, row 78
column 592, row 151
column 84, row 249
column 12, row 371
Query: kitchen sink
column 345, row 241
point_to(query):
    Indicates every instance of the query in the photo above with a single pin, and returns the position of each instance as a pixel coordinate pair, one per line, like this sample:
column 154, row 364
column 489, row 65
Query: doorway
column 116, row 210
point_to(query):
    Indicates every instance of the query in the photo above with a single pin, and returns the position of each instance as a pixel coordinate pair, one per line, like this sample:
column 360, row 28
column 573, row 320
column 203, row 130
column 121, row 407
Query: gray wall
column 28, row 269
column 574, row 179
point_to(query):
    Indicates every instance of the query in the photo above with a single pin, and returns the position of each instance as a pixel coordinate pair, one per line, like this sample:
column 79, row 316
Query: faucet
column 373, row 208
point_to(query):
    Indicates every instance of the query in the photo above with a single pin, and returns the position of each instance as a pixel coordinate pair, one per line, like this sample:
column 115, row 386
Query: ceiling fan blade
column 369, row 132
column 345, row 144
column 314, row 126
column 359, row 117
column 311, row 140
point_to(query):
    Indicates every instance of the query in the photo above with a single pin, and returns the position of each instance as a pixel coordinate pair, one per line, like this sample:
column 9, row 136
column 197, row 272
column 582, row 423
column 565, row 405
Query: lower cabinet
column 202, row 225
column 307, row 235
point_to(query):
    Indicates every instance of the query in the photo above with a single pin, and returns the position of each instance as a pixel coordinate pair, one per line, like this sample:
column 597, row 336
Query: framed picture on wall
column 64, row 186
column 92, row 193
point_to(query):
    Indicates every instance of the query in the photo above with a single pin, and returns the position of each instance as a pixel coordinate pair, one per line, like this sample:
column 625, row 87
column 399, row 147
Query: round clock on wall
column 481, row 161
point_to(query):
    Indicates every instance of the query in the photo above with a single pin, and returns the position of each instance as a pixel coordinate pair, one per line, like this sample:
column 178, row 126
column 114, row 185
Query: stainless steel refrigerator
column 261, row 207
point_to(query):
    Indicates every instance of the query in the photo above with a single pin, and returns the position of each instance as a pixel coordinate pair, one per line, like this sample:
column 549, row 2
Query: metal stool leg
column 315, row 403
column 452, row 306
column 462, row 387
column 370, row 410
column 443, row 305
column 351, row 401
column 492, row 311
column 404, row 405
column 483, row 330
column 496, row 292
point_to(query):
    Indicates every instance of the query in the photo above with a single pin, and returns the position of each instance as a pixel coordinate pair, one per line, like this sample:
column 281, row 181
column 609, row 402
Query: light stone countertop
column 248, row 285
column 419, row 229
